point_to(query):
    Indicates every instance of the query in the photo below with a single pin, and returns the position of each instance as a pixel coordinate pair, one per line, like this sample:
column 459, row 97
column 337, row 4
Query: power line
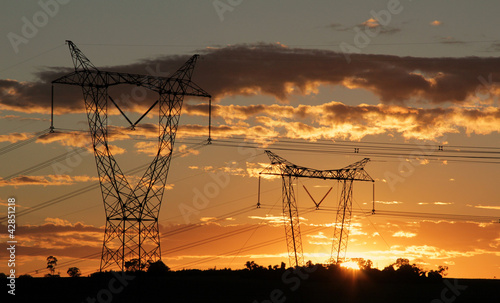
column 46, row 163
column 439, row 155
column 19, row 144
column 421, row 215
column 33, row 57
column 251, row 247
column 82, row 190
column 171, row 233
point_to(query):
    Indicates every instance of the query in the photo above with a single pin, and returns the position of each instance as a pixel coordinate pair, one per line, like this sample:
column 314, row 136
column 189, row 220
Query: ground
column 251, row 286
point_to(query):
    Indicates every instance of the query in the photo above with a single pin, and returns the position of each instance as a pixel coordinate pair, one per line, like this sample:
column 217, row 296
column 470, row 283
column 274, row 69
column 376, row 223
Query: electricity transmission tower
column 347, row 175
column 132, row 230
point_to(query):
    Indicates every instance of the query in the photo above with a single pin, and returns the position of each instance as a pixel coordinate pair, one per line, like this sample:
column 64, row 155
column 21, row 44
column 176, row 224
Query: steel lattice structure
column 287, row 170
column 132, row 231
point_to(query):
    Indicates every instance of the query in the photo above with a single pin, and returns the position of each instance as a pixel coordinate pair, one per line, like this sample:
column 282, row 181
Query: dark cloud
column 278, row 71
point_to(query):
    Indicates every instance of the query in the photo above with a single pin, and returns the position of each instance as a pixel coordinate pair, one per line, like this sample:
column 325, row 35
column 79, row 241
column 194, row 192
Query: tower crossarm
column 87, row 75
column 281, row 167
column 161, row 85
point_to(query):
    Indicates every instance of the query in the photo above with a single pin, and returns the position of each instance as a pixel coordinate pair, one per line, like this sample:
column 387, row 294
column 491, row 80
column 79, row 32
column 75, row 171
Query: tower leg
column 291, row 222
column 342, row 223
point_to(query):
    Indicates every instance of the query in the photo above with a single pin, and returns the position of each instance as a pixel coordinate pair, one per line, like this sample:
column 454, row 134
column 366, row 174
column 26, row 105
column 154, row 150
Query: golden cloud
column 49, row 180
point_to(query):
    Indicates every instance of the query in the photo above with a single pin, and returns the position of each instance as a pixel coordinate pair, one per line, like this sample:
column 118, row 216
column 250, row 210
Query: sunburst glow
column 350, row 265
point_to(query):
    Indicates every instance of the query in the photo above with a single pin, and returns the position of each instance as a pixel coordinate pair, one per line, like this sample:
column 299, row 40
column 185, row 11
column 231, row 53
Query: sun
column 350, row 265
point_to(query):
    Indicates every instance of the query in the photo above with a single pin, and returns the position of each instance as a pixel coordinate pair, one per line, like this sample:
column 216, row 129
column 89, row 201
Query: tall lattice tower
column 288, row 171
column 132, row 230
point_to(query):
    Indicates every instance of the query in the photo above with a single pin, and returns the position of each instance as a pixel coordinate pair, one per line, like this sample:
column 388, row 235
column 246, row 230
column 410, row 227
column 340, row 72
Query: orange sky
column 420, row 99
column 230, row 230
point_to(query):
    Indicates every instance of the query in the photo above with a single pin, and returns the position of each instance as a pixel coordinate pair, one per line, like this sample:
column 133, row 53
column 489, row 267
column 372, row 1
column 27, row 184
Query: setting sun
column 350, row 265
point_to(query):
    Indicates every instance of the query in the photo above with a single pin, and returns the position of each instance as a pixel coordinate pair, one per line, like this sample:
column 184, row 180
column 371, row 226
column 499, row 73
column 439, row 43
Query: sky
column 413, row 85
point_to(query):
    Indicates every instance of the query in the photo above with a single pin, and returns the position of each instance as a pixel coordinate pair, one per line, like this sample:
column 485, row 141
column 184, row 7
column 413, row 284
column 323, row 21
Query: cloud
column 207, row 219
column 436, row 203
column 74, row 138
column 15, row 137
column 425, row 252
column 494, row 207
column 24, row 119
column 337, row 120
column 18, row 206
column 320, row 235
column 83, row 139
column 402, row 234
column 241, row 169
column 371, row 23
column 270, row 219
column 57, row 226
column 148, row 148
column 185, row 151
column 271, row 69
column 371, row 26
column 49, row 180
column 330, row 120
column 443, row 203
column 375, row 24
column 389, row 202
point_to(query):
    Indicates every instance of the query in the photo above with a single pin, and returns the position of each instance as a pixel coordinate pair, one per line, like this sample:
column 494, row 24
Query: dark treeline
column 401, row 270
column 401, row 281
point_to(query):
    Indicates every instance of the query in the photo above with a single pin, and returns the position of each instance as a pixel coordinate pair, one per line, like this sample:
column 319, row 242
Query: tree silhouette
column 362, row 263
column 251, row 265
column 439, row 273
column 158, row 268
column 134, row 265
column 51, row 264
column 401, row 262
column 74, row 272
